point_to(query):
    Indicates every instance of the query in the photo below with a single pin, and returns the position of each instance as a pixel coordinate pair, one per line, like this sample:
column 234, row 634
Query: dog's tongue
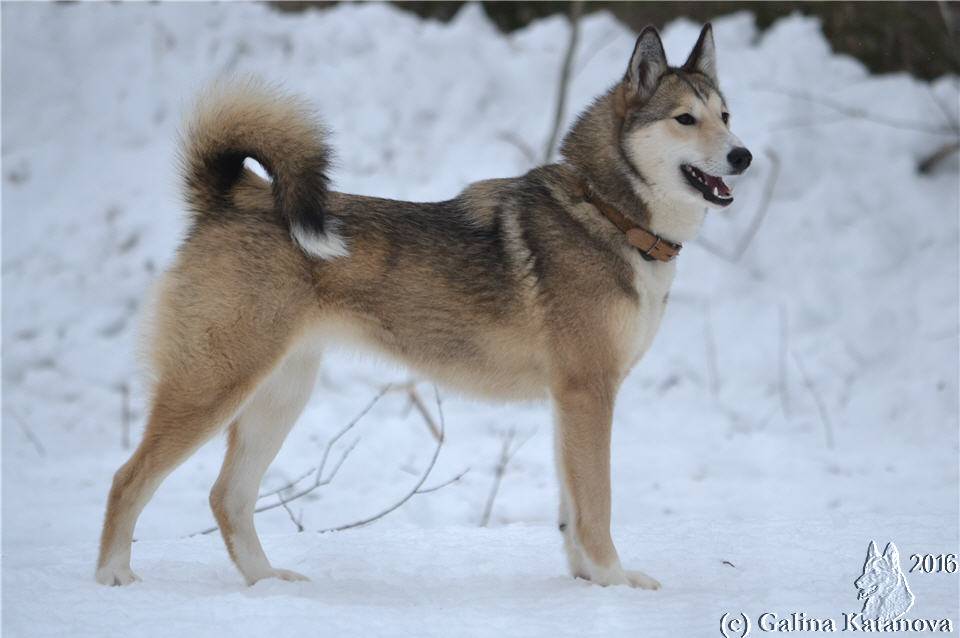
column 718, row 183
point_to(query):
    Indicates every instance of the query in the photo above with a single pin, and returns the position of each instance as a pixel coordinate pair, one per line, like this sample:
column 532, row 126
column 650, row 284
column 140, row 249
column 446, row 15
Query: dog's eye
column 686, row 119
column 725, row 117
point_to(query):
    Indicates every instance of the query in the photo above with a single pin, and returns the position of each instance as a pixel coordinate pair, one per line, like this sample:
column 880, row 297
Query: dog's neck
column 592, row 148
column 677, row 221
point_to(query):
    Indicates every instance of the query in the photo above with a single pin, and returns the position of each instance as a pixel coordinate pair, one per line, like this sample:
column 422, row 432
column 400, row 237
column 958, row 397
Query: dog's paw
column 641, row 580
column 604, row 576
column 282, row 574
column 116, row 576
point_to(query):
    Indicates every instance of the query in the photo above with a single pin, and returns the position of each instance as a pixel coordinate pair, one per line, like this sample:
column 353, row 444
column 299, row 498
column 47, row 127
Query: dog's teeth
column 716, row 193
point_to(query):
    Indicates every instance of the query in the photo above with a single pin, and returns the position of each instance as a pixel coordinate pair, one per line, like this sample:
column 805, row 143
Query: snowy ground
column 798, row 402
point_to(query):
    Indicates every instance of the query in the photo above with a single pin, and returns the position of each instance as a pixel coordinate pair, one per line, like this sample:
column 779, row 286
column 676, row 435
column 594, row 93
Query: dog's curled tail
column 246, row 118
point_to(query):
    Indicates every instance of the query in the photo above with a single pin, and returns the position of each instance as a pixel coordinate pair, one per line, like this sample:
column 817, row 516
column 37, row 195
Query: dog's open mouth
column 713, row 188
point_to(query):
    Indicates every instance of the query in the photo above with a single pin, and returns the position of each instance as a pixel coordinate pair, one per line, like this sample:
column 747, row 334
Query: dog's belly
column 491, row 364
column 504, row 382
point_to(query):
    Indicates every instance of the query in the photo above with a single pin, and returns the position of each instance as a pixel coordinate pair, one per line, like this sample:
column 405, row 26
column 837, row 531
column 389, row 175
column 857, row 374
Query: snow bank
column 838, row 320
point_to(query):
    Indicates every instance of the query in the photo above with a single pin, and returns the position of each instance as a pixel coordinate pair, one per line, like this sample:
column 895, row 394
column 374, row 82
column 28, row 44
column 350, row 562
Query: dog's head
column 881, row 574
column 676, row 124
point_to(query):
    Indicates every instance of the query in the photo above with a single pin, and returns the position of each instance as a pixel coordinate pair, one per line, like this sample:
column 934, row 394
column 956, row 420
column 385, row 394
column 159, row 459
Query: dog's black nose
column 740, row 159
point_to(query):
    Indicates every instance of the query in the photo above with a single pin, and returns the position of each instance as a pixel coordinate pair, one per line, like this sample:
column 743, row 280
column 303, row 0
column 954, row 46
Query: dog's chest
column 652, row 281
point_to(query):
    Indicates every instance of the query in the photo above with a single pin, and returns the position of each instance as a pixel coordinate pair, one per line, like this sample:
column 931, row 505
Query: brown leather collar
column 651, row 246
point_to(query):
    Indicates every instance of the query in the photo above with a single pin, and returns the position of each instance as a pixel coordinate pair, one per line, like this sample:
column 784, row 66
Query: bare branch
column 783, row 381
column 949, row 117
column 713, row 249
column 713, row 373
column 440, row 486
column 605, row 40
column 755, row 221
column 416, row 488
column 515, row 141
column 930, row 162
column 576, row 8
column 319, row 480
column 762, row 208
column 28, row 432
column 296, row 521
column 507, row 451
column 821, row 406
column 858, row 113
column 318, row 469
column 410, row 388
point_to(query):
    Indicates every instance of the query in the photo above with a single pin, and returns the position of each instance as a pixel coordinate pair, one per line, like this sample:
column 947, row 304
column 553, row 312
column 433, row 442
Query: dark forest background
column 918, row 37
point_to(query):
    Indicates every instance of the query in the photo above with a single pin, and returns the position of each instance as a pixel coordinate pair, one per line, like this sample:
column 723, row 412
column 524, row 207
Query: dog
column 883, row 587
column 548, row 285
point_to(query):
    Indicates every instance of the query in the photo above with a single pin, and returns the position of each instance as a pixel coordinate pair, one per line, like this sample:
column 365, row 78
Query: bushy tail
column 247, row 119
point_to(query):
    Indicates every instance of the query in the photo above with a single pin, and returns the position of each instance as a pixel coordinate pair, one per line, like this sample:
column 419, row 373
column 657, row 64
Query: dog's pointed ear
column 892, row 554
column 647, row 64
column 703, row 58
column 873, row 551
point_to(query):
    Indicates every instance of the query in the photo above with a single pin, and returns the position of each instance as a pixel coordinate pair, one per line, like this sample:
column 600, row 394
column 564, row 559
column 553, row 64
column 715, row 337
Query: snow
column 463, row 582
column 839, row 321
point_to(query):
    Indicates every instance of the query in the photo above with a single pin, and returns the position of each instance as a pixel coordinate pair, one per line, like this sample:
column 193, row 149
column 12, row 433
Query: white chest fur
column 652, row 281
column 677, row 221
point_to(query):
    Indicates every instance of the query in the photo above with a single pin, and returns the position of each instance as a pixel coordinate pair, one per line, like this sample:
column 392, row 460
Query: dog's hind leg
column 178, row 425
column 215, row 340
column 254, row 440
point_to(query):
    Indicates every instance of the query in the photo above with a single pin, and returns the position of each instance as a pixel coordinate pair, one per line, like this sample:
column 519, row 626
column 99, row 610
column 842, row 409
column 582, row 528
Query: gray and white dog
column 548, row 285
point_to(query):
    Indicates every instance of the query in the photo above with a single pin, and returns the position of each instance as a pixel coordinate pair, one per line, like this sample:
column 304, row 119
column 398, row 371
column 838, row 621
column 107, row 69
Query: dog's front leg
column 584, row 415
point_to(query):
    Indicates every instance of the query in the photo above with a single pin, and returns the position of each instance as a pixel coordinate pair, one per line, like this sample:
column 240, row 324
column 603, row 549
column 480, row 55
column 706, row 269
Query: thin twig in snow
column 514, row 140
column 28, row 432
column 320, row 480
column 410, row 388
column 575, row 10
column 296, row 521
column 755, row 221
column 764, row 205
column 857, row 112
column 821, row 406
column 318, row 469
column 605, row 40
column 318, row 483
column 507, row 451
column 783, row 380
column 713, row 373
column 440, row 486
column 416, row 488
column 949, row 118
column 927, row 164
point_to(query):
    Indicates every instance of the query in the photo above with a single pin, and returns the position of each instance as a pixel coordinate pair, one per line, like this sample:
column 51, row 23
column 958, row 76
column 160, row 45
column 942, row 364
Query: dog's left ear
column 892, row 554
column 703, row 58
